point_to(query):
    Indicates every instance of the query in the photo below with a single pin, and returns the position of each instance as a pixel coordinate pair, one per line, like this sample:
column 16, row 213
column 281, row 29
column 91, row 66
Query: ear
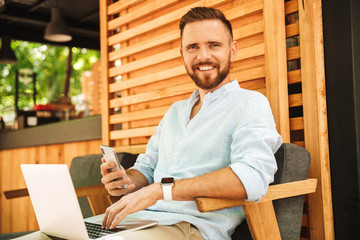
column 233, row 50
column 181, row 53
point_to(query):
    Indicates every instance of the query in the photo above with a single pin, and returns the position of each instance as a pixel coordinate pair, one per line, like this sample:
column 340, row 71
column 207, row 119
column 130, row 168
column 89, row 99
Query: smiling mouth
column 205, row 68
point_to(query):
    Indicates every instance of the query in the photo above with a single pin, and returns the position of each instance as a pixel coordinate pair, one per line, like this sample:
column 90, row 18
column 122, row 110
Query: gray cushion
column 293, row 165
column 85, row 171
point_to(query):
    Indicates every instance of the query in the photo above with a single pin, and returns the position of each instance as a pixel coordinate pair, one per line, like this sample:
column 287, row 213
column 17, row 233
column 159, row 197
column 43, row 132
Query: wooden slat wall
column 146, row 75
column 281, row 59
column 17, row 214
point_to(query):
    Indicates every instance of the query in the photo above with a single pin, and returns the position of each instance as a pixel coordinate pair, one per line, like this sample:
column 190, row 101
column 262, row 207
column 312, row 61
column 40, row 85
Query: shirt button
column 186, row 134
column 174, row 157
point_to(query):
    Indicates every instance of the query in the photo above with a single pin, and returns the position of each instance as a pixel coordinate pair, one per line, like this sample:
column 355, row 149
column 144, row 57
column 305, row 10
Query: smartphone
column 109, row 155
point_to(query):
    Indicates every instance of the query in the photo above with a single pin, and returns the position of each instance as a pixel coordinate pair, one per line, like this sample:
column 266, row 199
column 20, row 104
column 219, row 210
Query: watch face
column 167, row 180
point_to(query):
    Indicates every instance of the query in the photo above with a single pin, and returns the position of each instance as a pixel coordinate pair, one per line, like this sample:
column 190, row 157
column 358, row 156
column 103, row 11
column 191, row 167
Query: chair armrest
column 96, row 195
column 274, row 192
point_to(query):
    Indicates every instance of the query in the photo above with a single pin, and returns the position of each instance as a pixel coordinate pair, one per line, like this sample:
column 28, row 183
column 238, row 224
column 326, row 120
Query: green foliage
column 49, row 64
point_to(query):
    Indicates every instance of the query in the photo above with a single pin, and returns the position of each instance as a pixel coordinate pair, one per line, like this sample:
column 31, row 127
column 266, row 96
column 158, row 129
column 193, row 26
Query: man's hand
column 115, row 187
column 133, row 202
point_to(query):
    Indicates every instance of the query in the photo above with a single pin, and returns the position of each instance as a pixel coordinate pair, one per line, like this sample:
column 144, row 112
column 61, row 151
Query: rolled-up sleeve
column 146, row 163
column 255, row 140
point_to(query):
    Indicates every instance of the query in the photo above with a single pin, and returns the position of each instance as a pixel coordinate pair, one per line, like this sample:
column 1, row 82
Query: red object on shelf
column 42, row 107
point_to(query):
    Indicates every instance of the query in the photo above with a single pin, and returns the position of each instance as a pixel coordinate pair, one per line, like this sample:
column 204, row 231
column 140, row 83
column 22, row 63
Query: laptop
column 57, row 208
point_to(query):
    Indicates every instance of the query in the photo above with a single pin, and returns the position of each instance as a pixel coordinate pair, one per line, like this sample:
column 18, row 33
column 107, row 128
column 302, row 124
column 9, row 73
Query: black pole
column 34, row 88
column 16, row 92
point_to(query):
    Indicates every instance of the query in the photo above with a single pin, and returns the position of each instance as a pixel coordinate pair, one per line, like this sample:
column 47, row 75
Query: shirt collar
column 209, row 97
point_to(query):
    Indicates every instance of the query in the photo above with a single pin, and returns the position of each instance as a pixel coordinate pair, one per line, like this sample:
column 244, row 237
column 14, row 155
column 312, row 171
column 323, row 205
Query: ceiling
column 26, row 20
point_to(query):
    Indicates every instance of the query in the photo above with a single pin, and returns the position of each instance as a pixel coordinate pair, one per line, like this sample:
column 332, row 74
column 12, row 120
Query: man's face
column 207, row 50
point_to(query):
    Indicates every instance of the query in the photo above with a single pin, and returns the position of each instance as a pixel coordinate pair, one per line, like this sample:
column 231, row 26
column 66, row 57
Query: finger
column 118, row 219
column 110, row 176
column 107, row 216
column 105, row 167
column 116, row 208
column 121, row 191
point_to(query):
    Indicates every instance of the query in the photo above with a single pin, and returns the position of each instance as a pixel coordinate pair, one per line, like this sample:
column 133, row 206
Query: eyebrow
column 212, row 42
column 209, row 42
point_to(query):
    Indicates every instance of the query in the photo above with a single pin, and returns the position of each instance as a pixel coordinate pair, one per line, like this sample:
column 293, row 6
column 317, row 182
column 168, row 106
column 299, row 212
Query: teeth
column 204, row 68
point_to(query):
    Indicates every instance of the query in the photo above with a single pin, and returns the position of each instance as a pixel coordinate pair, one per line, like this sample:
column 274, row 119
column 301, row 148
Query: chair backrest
column 293, row 165
column 85, row 171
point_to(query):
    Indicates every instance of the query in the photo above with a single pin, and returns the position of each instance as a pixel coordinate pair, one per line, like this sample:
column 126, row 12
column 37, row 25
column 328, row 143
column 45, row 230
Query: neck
column 203, row 92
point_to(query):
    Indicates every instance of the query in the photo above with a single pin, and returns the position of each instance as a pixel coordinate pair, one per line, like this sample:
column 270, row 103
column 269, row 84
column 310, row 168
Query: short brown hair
column 203, row 13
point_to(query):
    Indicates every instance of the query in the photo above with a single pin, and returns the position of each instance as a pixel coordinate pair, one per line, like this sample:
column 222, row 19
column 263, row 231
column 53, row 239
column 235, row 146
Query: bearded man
column 219, row 143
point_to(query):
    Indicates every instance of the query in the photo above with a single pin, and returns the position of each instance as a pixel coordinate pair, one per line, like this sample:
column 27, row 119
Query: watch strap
column 167, row 192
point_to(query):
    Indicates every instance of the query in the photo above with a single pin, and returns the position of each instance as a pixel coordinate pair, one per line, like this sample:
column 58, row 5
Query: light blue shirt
column 235, row 127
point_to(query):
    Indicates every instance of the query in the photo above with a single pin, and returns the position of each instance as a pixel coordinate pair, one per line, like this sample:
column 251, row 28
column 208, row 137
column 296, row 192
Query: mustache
column 195, row 66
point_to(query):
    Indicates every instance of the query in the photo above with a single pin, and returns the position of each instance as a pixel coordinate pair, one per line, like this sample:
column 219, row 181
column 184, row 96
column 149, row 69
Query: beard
column 206, row 81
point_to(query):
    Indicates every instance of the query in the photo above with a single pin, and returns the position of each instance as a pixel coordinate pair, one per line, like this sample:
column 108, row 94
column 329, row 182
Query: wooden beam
column 315, row 117
column 105, row 126
column 275, row 65
column 262, row 222
column 275, row 192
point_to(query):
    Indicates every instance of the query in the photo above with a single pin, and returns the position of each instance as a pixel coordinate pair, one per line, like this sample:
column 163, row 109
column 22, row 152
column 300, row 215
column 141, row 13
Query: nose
column 203, row 54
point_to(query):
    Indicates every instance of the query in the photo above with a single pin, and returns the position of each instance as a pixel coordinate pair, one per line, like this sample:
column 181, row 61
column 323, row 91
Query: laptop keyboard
column 96, row 231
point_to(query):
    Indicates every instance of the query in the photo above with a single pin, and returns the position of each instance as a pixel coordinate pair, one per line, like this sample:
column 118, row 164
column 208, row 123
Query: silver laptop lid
column 54, row 200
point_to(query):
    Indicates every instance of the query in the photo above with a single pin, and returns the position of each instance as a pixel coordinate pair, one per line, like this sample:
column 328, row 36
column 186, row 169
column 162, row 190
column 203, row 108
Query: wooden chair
column 86, row 177
column 278, row 214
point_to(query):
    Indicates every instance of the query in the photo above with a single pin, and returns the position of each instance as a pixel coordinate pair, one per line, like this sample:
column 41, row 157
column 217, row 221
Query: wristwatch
column 167, row 184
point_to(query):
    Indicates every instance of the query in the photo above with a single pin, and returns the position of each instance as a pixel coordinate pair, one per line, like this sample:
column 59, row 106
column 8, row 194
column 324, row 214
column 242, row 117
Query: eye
column 215, row 45
column 192, row 47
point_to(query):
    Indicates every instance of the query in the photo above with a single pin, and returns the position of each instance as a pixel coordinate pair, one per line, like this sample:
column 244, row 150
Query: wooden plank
column 245, row 8
column 299, row 143
column 277, row 191
column 145, row 123
column 143, row 45
column 293, row 53
column 154, row 77
column 139, row 115
column 296, row 123
column 305, row 220
column 292, row 30
column 139, row 12
column 275, row 65
column 315, row 117
column 135, row 149
column 254, row 84
column 159, row 102
column 145, row 62
column 291, row 7
column 294, row 76
column 249, row 52
column 119, row 6
column 249, row 74
column 261, row 220
column 248, row 30
column 295, row 100
column 136, row 132
column 153, row 95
